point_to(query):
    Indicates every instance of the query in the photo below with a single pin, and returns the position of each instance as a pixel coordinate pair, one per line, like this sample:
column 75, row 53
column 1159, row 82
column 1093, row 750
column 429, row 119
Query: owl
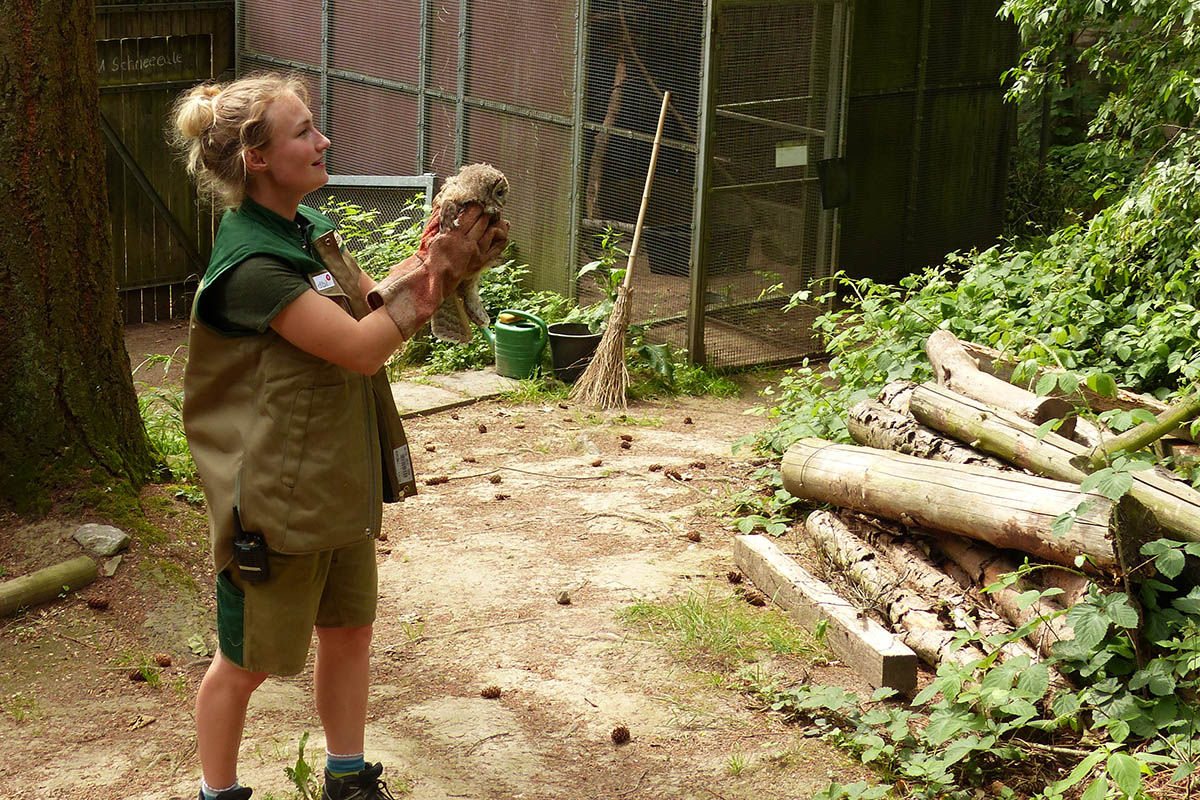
column 477, row 183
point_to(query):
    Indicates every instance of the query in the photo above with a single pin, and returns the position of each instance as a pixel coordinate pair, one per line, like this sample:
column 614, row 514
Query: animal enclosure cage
column 563, row 97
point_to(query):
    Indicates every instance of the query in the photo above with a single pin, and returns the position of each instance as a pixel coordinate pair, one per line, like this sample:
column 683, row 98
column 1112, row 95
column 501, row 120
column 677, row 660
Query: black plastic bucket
column 571, row 347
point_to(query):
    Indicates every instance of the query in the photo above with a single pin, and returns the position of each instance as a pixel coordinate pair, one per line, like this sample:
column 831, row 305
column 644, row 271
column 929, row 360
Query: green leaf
column 1096, row 790
column 1089, row 624
column 1108, row 482
column 1126, row 772
column 943, row 725
column 1102, row 383
column 1170, row 563
column 1080, row 772
column 1046, row 384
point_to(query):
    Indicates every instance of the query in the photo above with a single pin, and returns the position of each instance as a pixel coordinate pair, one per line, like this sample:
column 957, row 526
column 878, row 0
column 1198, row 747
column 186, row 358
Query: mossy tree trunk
column 67, row 401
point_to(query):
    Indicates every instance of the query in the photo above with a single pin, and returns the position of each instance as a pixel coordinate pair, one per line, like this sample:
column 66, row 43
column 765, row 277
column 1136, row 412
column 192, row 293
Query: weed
column 537, row 390
column 161, row 409
column 737, row 763
column 302, row 776
column 145, row 667
column 18, row 706
column 723, row 630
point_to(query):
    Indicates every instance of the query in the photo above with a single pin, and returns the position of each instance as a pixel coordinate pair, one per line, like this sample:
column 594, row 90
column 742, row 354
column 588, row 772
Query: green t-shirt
column 246, row 297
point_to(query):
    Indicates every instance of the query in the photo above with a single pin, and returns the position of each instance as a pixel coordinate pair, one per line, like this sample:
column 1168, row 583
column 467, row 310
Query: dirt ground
column 539, row 499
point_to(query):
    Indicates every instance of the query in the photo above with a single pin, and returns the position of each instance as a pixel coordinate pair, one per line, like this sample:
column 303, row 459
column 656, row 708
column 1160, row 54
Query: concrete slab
column 414, row 399
column 478, row 383
column 435, row 393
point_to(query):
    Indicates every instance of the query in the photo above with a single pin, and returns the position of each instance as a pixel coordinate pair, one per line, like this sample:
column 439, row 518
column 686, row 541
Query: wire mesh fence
column 564, row 98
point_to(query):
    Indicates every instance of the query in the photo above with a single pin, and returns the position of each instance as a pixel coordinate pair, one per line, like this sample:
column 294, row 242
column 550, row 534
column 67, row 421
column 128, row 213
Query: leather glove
column 414, row 288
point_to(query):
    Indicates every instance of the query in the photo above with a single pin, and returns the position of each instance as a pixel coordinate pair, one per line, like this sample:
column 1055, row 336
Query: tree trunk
column 1007, row 509
column 917, row 570
column 46, row 584
column 955, row 368
column 917, row 621
column 873, row 424
column 993, row 361
column 984, row 565
column 1174, row 505
column 66, row 394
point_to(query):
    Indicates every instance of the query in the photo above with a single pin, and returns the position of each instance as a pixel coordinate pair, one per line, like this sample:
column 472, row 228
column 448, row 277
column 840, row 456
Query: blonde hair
column 214, row 124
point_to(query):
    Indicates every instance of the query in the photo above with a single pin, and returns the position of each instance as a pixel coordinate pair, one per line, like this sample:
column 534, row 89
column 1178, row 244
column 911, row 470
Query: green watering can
column 518, row 339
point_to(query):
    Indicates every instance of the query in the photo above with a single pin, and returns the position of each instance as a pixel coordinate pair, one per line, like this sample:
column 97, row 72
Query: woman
column 290, row 420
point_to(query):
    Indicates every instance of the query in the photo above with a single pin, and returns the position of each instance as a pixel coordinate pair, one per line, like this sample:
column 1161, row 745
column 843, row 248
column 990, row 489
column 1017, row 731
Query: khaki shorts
column 268, row 627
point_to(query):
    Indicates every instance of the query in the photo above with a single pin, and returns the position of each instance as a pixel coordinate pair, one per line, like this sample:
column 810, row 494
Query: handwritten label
column 154, row 59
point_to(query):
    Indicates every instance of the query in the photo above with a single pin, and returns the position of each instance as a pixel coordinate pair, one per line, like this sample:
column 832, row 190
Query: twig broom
column 604, row 383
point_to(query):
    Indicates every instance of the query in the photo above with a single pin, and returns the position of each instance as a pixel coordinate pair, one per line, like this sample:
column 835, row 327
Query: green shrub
column 1115, row 296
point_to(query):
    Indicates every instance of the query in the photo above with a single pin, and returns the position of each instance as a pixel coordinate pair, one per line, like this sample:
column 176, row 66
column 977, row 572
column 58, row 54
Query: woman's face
column 295, row 158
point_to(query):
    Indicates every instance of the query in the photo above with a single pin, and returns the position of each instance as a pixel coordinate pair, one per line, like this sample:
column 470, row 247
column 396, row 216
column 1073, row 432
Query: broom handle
column 637, row 229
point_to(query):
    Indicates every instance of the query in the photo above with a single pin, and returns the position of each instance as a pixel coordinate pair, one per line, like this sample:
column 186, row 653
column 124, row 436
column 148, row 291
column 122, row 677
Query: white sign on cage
column 791, row 154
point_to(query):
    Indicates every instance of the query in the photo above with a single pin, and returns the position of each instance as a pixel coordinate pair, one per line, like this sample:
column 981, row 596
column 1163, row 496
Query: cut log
column 955, row 368
column 918, row 621
column 1142, row 435
column 862, row 643
column 46, row 584
column 895, row 395
column 917, row 570
column 1174, row 505
column 1008, row 509
column 875, row 425
column 1003, row 366
column 984, row 565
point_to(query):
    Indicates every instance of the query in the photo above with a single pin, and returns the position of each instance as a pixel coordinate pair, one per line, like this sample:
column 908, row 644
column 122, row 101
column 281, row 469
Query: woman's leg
column 341, row 681
column 220, row 716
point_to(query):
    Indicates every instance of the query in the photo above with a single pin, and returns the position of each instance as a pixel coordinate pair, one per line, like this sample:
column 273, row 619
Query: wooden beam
column 861, row 642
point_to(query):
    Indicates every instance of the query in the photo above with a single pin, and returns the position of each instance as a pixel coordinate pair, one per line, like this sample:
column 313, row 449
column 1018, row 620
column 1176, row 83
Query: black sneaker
column 365, row 785
column 240, row 793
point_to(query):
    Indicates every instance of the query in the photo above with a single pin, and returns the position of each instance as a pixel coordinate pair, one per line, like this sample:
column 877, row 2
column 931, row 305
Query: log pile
column 955, row 483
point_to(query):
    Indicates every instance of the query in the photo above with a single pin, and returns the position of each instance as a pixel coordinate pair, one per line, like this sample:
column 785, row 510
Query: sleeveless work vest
column 304, row 449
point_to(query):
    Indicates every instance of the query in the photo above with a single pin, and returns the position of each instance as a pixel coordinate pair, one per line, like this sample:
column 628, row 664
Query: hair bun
column 197, row 112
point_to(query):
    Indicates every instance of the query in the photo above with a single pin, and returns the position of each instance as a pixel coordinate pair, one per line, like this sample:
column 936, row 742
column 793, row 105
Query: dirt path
column 469, row 575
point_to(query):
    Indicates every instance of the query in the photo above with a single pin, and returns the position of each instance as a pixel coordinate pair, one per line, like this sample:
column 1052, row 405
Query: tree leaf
column 1108, row 482
column 1126, row 772
column 1046, row 384
column 1102, row 384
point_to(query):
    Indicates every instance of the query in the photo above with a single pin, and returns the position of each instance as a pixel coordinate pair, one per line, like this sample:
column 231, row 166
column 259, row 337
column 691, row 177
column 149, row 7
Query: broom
column 604, row 382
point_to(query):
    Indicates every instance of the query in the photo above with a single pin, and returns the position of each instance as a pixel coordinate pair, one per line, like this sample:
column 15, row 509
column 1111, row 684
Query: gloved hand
column 414, row 288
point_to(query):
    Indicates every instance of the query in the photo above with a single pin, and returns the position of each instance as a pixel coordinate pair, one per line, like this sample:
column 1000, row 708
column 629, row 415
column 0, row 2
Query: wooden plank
column 866, row 646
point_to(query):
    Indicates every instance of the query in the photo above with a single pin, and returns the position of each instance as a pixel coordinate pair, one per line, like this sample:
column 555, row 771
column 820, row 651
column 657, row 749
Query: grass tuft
column 720, row 629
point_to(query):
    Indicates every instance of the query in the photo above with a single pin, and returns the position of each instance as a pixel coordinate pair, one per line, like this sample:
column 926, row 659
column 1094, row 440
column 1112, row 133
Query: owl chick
column 477, row 183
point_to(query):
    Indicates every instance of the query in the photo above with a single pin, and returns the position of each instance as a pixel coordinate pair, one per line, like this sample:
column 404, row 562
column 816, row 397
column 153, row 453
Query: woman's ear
column 255, row 160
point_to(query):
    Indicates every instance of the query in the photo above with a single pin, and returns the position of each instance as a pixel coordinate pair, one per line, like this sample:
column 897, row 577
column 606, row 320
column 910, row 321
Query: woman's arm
column 319, row 326
column 415, row 288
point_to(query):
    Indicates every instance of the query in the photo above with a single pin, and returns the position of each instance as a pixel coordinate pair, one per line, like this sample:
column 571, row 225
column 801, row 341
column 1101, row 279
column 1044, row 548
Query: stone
column 109, row 567
column 103, row 540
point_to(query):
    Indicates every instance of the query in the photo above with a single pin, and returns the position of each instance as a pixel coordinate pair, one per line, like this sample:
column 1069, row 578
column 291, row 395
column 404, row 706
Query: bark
column 955, row 368
column 918, row 621
column 1007, row 509
column 983, row 566
column 46, row 584
column 1147, row 433
column 66, row 394
column 918, row 571
column 873, row 424
column 1174, row 505
column 995, row 362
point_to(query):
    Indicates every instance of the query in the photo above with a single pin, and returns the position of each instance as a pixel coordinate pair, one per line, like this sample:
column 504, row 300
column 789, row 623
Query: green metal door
column 771, row 132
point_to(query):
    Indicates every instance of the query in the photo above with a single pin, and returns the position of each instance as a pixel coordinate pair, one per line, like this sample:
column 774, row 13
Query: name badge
column 322, row 281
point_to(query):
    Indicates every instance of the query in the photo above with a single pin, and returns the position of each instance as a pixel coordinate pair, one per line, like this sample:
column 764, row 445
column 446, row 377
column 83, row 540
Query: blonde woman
column 290, row 420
